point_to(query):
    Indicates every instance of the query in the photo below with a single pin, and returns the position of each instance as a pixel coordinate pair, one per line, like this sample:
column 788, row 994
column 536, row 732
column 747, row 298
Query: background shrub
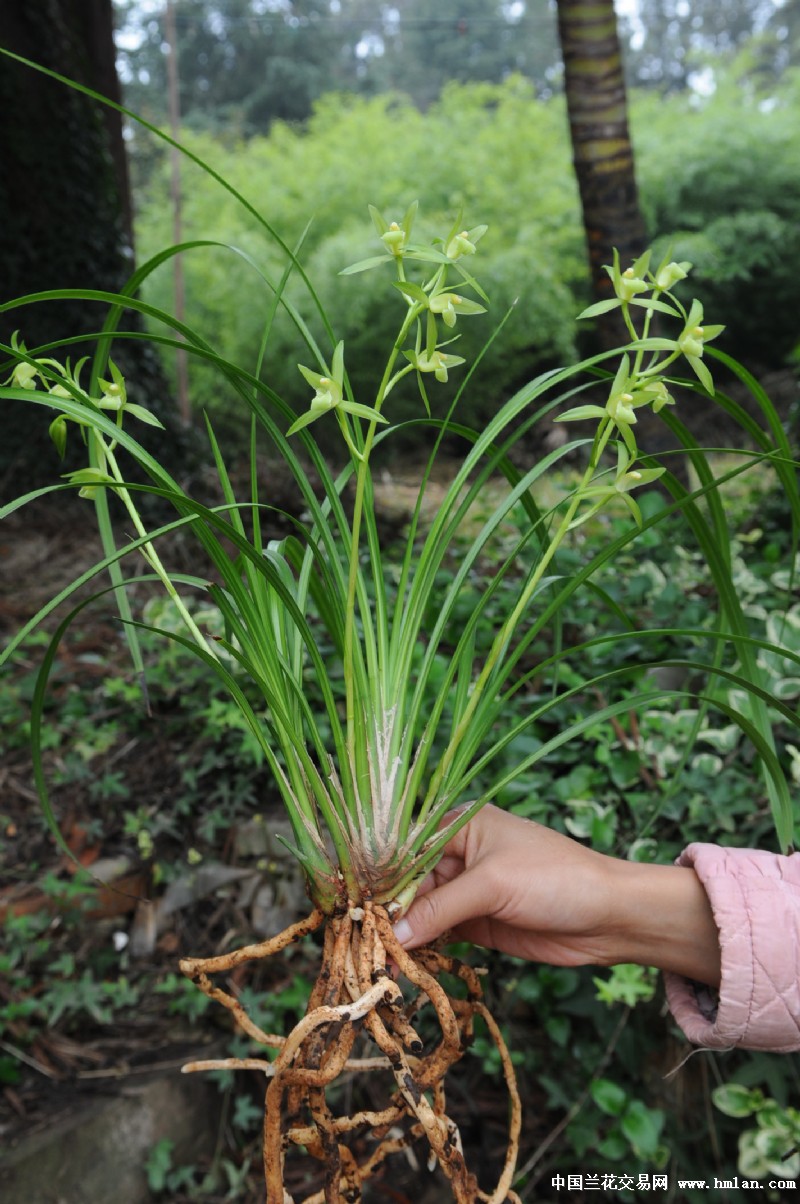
column 719, row 180
column 720, row 184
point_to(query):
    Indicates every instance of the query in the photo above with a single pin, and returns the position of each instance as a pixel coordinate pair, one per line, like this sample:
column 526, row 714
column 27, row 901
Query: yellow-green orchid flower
column 452, row 306
column 691, row 342
column 438, row 362
column 329, row 395
column 626, row 478
column 395, row 236
column 631, row 282
column 463, row 242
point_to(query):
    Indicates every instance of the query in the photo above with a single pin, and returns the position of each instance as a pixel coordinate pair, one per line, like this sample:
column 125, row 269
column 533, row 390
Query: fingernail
column 402, row 930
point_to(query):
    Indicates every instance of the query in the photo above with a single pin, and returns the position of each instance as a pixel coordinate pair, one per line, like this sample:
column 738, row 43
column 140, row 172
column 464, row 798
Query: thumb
column 438, row 910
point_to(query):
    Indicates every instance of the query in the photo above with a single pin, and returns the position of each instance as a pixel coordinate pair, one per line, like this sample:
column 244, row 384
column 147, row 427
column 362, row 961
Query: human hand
column 514, row 885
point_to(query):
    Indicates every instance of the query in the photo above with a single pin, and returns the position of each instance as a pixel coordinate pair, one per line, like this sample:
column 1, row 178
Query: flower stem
column 362, row 476
column 502, row 638
column 149, row 552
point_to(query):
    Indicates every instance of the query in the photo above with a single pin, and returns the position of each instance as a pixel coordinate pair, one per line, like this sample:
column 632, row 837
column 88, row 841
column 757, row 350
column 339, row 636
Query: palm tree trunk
column 602, row 153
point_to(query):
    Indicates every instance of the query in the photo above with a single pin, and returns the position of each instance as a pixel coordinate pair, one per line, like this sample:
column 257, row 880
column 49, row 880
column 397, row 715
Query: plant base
column 357, row 996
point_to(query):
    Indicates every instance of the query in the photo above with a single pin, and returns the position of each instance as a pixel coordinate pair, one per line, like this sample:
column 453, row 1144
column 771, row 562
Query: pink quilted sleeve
column 755, row 898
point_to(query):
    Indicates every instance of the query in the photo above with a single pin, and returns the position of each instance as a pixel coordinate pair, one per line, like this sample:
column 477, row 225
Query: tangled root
column 355, row 994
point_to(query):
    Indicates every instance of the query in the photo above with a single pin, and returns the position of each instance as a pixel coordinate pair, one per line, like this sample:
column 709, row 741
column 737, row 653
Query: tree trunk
column 602, row 153
column 63, row 196
column 603, row 157
column 65, row 214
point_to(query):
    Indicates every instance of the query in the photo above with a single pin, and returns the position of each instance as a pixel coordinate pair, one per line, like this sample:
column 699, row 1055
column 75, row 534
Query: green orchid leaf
column 315, row 379
column 599, row 308
column 654, row 344
column 634, row 508
column 143, row 415
column 116, row 375
column 581, row 414
column 640, row 265
column 303, row 421
column 360, row 411
column 431, row 336
column 366, row 265
column 337, row 364
column 702, row 373
column 426, row 255
column 645, row 476
column 695, row 315
column 408, row 217
column 652, row 303
column 413, row 291
column 378, row 220
column 89, row 476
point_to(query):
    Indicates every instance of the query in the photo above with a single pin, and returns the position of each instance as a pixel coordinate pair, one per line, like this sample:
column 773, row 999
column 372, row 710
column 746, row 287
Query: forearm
column 659, row 915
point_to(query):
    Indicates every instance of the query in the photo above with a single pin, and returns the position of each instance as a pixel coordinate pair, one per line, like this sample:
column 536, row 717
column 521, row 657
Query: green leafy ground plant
column 407, row 737
column 773, row 1147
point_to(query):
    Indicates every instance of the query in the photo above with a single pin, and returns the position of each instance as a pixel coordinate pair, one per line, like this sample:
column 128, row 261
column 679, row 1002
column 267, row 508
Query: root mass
column 357, row 998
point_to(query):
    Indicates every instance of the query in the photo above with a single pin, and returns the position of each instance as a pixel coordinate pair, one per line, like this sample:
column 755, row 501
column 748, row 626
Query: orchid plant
column 409, row 738
column 367, row 806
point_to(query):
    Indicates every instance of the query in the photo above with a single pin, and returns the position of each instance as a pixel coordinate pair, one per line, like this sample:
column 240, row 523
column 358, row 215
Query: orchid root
column 356, row 1001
